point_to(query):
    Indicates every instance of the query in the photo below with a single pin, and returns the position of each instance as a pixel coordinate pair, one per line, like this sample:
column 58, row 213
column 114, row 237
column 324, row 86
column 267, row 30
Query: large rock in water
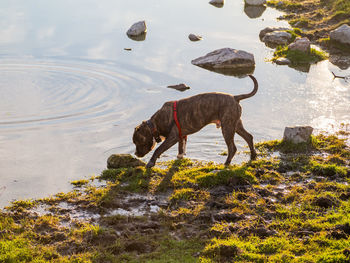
column 116, row 161
column 297, row 134
column 229, row 59
column 341, row 34
column 137, row 29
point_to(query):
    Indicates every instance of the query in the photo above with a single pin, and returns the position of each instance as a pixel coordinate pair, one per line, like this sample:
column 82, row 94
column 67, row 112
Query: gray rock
column 179, row 87
column 300, row 44
column 226, row 58
column 277, row 38
column 271, row 29
column 297, row 134
column 283, row 61
column 217, row 3
column 116, row 161
column 341, row 34
column 137, row 29
column 194, row 37
column 255, row 2
column 254, row 11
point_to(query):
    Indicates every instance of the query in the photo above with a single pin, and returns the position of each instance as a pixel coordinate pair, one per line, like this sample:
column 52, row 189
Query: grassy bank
column 292, row 206
column 316, row 17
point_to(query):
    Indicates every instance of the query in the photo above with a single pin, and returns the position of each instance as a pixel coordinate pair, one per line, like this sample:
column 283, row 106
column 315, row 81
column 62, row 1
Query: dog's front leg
column 182, row 148
column 168, row 142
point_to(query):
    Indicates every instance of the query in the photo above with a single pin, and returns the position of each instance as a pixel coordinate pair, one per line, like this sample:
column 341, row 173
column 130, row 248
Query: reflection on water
column 70, row 95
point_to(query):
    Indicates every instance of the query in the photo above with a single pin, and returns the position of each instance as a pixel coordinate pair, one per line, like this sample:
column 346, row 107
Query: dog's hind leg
column 182, row 148
column 247, row 137
column 228, row 132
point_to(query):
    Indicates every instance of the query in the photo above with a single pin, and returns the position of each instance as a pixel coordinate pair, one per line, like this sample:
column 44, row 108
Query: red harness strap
column 177, row 122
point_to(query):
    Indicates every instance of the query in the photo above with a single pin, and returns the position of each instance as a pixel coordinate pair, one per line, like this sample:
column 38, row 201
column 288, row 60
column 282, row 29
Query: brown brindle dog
column 193, row 114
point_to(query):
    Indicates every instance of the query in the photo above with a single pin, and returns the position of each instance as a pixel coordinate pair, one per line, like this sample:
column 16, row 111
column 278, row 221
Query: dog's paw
column 180, row 156
column 150, row 164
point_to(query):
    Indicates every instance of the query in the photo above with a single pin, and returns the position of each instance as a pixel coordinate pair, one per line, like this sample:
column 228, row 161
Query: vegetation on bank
column 316, row 18
column 293, row 206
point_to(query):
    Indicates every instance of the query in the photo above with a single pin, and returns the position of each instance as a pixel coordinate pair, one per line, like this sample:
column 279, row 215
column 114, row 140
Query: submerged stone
column 116, row 161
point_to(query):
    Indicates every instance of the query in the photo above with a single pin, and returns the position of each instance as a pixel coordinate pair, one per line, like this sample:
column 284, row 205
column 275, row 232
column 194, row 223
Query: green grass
column 299, row 57
column 293, row 207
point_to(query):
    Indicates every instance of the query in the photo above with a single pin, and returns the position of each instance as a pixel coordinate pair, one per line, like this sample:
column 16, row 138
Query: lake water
column 70, row 95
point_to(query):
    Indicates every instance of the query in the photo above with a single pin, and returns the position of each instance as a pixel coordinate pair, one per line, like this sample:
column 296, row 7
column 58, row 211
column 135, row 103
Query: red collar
column 177, row 121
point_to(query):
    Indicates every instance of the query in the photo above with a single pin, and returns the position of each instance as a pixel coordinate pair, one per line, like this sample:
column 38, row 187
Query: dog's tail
column 251, row 94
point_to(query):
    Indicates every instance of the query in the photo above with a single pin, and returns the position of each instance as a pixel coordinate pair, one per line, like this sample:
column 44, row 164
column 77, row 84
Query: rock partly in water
column 194, row 37
column 255, row 2
column 137, row 31
column 283, row 61
column 340, row 60
column 277, row 38
column 271, row 29
column 227, row 61
column 297, row 134
column 116, row 161
column 253, row 11
column 341, row 34
column 217, row 3
column 300, row 44
column 179, row 87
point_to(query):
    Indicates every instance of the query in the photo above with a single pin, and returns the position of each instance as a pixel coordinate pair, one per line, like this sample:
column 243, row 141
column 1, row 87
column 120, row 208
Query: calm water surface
column 70, row 95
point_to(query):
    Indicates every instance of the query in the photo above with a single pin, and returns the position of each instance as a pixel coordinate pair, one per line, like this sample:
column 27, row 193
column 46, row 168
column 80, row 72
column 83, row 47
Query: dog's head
column 143, row 139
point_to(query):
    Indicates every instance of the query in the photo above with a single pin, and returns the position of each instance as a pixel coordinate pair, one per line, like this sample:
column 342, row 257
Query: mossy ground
column 316, row 17
column 290, row 208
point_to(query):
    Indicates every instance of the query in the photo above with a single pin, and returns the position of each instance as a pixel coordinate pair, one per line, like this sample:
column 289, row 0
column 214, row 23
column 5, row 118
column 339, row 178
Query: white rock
column 194, row 37
column 297, row 134
column 137, row 29
column 277, row 38
column 341, row 34
column 283, row 61
column 300, row 44
column 255, row 2
column 226, row 58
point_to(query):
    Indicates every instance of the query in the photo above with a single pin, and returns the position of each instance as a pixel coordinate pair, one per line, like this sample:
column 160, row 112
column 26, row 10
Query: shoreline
column 290, row 204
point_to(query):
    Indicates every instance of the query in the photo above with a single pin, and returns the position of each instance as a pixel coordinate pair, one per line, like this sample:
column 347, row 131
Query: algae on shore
column 291, row 208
